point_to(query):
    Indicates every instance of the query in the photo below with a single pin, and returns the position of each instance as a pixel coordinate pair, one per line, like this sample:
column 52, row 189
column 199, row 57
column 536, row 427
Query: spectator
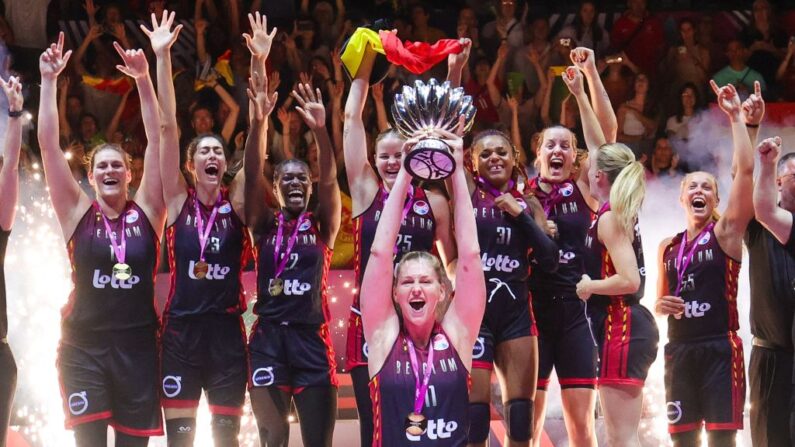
column 420, row 30
column 663, row 162
column 587, row 31
column 540, row 46
column 467, row 28
column 765, row 41
column 678, row 126
column 476, row 87
column 329, row 24
column 704, row 36
column 639, row 34
column 505, row 27
column 636, row 121
column 737, row 72
column 618, row 80
column 137, row 173
column 687, row 62
column 785, row 75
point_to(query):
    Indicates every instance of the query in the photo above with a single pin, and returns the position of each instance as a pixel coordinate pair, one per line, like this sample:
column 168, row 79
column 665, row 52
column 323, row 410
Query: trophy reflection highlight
column 424, row 108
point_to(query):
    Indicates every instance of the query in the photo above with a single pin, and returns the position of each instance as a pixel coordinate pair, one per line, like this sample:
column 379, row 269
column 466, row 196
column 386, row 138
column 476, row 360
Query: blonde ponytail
column 628, row 183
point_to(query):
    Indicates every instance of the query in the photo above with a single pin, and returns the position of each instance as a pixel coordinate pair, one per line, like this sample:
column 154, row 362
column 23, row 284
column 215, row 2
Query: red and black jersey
column 599, row 265
column 446, row 401
column 99, row 301
column 227, row 250
column 303, row 298
column 709, row 288
column 566, row 206
column 417, row 230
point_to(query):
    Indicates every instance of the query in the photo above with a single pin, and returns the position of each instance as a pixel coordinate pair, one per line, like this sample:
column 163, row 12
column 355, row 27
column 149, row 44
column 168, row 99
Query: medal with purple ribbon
column 416, row 422
column 683, row 261
column 121, row 270
column 277, row 284
column 200, row 267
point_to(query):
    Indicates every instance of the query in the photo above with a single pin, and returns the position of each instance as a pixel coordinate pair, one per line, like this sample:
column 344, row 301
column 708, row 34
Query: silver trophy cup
column 423, row 109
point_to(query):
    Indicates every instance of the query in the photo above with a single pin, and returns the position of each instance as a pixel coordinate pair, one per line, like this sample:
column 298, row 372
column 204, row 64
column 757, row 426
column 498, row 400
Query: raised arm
column 162, row 37
column 463, row 317
column 258, row 215
column 150, row 193
column 731, row 225
column 68, row 200
column 457, row 62
column 379, row 319
column 234, row 110
column 93, row 32
column 310, row 106
column 113, row 126
column 496, row 69
column 584, row 59
column 777, row 220
column 753, row 113
column 362, row 179
column 380, row 109
column 594, row 138
column 9, row 171
column 259, row 42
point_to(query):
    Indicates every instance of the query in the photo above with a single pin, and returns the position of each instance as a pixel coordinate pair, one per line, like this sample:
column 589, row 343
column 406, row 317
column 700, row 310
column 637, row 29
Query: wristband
column 752, row 126
column 14, row 113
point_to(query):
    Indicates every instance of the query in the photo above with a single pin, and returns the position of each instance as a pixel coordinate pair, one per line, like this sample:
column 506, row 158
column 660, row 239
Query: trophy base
column 430, row 159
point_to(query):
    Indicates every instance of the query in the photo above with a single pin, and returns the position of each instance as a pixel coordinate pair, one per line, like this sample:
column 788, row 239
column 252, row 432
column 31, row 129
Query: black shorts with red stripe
column 705, row 384
column 111, row 376
column 204, row 352
column 565, row 342
column 628, row 337
column 508, row 319
column 291, row 356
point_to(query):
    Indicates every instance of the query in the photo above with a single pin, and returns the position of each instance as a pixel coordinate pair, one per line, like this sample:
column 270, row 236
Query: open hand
column 161, row 36
column 310, row 106
column 259, row 42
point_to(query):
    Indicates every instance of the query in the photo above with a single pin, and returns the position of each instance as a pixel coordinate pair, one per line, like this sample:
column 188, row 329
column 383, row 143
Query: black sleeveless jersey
column 598, row 264
column 303, row 298
column 99, row 301
column 226, row 253
column 417, row 231
column 3, row 311
column 566, row 206
column 709, row 288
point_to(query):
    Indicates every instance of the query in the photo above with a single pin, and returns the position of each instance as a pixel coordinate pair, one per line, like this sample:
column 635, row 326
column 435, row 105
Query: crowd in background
column 655, row 71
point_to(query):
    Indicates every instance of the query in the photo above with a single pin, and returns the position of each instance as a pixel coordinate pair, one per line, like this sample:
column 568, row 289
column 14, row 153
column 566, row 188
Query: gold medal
column 277, row 287
column 416, row 424
column 122, row 271
column 200, row 269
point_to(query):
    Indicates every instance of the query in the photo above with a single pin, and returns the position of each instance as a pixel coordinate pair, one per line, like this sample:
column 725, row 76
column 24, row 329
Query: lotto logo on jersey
column 100, row 281
column 500, row 263
column 295, row 287
column 214, row 271
column 694, row 309
column 437, row 429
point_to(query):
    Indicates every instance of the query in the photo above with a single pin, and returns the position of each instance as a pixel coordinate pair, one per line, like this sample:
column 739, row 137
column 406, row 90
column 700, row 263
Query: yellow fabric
column 354, row 51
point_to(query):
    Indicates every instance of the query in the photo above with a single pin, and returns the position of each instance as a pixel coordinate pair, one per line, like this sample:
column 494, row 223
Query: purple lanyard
column 119, row 249
column 683, row 262
column 280, row 265
column 420, row 390
column 204, row 232
column 492, row 190
column 553, row 197
column 406, row 207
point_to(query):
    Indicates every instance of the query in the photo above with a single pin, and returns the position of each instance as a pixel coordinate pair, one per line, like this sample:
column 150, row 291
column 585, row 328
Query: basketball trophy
column 423, row 109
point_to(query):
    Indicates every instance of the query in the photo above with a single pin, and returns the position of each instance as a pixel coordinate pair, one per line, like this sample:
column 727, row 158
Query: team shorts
column 509, row 315
column 628, row 337
column 705, row 384
column 291, row 356
column 565, row 342
column 204, row 352
column 112, row 376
